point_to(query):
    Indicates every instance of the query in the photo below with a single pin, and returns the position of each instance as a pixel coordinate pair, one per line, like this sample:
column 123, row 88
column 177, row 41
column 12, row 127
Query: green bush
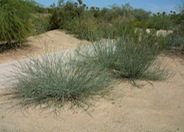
column 41, row 23
column 15, row 20
column 137, row 58
column 112, row 29
column 55, row 19
column 61, row 15
column 84, row 28
column 176, row 42
column 94, row 24
column 159, row 21
column 128, row 57
column 73, row 19
column 53, row 79
column 102, row 54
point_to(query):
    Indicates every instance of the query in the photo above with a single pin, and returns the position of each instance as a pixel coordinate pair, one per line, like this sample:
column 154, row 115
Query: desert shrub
column 128, row 57
column 180, row 19
column 94, row 24
column 115, row 28
column 37, row 7
column 99, row 53
column 137, row 57
column 41, row 23
column 84, row 28
column 15, row 20
column 53, row 79
column 159, row 21
column 55, row 19
column 176, row 41
column 63, row 14
column 73, row 19
column 123, row 28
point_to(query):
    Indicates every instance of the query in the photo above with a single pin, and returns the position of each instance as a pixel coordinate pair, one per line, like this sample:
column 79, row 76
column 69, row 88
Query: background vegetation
column 95, row 23
column 85, row 23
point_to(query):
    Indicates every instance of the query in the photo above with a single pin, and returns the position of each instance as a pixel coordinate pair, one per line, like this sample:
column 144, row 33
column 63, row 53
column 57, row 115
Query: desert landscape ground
column 158, row 106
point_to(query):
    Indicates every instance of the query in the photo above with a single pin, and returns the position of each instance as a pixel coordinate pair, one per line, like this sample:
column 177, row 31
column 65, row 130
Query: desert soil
column 55, row 40
column 157, row 106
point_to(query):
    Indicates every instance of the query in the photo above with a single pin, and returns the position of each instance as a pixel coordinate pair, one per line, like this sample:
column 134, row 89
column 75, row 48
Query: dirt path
column 156, row 107
column 55, row 40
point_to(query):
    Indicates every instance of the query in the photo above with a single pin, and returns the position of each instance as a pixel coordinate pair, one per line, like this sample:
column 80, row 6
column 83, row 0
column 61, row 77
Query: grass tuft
column 128, row 57
column 53, row 79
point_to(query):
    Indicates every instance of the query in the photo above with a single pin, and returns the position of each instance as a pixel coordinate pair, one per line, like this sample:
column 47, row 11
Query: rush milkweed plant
column 15, row 20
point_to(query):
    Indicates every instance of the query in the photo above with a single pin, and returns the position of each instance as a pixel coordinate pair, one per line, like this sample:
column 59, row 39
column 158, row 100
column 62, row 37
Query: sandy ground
column 55, row 40
column 156, row 107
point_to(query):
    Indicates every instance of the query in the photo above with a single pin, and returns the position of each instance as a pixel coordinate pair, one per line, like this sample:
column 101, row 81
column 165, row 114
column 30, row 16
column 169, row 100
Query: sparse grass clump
column 53, row 79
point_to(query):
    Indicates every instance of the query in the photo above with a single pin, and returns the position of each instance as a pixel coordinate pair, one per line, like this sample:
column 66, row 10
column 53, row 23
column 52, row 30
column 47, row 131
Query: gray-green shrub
column 53, row 79
column 136, row 58
column 128, row 57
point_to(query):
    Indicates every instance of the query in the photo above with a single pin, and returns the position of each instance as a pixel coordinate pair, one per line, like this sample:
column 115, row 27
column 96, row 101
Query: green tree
column 61, row 3
column 80, row 2
column 141, row 14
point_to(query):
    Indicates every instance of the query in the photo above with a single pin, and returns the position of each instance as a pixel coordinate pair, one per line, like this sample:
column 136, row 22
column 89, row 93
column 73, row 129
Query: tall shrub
column 15, row 20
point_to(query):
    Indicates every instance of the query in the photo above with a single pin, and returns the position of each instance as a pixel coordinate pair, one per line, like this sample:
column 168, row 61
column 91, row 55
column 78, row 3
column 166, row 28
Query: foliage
column 115, row 29
column 36, row 7
column 137, row 57
column 110, row 22
column 84, row 28
column 141, row 14
column 65, row 13
column 128, row 57
column 180, row 19
column 176, row 40
column 53, row 79
column 156, row 21
column 77, row 19
column 14, row 22
column 161, row 21
column 40, row 23
column 55, row 19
